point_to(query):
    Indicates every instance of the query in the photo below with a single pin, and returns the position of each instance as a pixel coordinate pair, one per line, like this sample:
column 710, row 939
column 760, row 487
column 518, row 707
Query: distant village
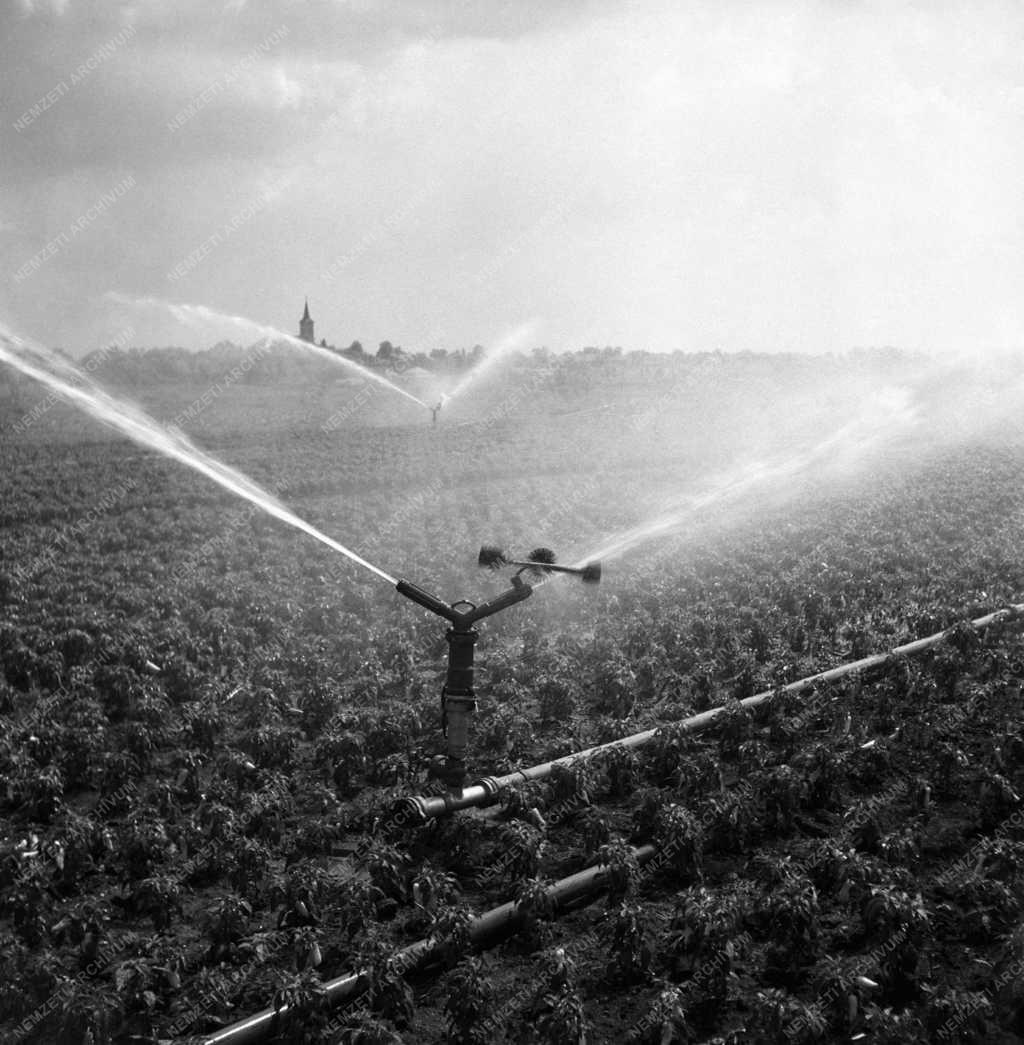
column 391, row 357
column 134, row 367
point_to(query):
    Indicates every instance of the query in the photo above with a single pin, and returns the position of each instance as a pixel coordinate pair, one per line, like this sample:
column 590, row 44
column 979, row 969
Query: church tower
column 306, row 326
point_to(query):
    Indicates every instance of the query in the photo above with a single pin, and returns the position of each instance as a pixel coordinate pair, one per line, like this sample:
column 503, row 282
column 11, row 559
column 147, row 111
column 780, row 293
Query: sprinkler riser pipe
column 457, row 711
column 458, row 702
column 461, row 647
column 458, row 698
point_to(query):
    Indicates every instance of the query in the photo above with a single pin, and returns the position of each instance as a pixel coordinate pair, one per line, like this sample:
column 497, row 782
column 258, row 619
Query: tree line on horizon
column 137, row 366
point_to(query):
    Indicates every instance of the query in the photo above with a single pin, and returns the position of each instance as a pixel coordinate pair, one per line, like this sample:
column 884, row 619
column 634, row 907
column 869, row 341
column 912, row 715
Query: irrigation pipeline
column 486, row 791
column 483, row 930
column 491, row 925
column 488, row 927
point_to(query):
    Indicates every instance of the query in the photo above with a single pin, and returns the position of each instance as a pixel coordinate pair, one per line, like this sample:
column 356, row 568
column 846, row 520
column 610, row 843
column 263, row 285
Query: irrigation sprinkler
column 435, row 410
column 458, row 698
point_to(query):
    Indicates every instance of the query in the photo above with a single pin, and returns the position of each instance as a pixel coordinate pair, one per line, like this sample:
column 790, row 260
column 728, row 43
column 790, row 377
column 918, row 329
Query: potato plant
column 631, row 954
column 469, row 1003
column 235, row 808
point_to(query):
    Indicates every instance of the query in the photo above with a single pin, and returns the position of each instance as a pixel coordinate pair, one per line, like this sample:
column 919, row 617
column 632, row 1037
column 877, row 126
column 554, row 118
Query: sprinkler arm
column 426, row 600
column 519, row 591
column 591, row 573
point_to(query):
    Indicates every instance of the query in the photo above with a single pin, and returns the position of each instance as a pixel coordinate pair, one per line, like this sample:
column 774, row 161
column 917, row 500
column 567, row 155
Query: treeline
column 137, row 367
column 261, row 365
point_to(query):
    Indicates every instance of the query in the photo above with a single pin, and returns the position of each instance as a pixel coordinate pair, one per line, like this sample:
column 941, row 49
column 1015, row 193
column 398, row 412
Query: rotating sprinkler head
column 436, row 409
column 458, row 698
column 539, row 561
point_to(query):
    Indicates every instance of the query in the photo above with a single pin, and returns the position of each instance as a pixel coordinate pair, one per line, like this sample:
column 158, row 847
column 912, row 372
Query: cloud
column 657, row 175
column 290, row 92
column 34, row 7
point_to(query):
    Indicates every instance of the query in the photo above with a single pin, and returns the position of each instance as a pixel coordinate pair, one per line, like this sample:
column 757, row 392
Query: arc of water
column 188, row 314
column 516, row 339
column 894, row 413
column 141, row 428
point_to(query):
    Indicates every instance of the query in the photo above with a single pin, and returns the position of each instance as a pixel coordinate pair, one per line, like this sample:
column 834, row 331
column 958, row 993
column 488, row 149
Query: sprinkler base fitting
column 455, row 775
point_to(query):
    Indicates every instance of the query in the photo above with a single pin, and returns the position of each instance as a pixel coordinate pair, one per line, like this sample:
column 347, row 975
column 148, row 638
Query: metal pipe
column 485, row 791
column 426, row 600
column 591, row 572
column 543, row 561
column 261, row 1025
column 520, row 590
column 482, row 930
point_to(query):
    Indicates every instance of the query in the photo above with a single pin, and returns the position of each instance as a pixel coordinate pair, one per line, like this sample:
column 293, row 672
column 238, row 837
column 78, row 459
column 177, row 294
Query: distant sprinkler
column 435, row 410
column 458, row 698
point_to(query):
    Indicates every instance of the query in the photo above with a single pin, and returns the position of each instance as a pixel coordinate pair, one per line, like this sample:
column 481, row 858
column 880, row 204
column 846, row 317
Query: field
column 206, row 718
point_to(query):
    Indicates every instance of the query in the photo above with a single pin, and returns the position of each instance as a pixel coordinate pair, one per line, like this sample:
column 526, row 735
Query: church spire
column 306, row 326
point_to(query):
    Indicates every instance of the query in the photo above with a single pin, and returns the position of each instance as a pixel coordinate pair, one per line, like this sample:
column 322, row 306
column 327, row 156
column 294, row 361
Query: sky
column 764, row 175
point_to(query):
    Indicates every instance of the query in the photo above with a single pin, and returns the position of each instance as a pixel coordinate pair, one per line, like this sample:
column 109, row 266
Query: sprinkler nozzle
column 491, row 557
column 591, row 573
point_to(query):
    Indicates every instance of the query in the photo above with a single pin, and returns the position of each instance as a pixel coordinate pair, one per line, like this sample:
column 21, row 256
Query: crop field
column 208, row 721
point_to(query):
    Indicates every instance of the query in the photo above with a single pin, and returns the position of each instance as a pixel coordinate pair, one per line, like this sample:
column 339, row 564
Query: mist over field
column 597, row 453
column 636, row 448
column 213, row 691
column 659, row 176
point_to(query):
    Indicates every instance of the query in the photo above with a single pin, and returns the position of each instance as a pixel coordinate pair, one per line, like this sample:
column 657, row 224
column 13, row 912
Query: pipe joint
column 491, row 787
column 411, row 809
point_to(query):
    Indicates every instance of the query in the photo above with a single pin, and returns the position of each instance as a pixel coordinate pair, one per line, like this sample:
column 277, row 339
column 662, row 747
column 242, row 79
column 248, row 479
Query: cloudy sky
column 737, row 174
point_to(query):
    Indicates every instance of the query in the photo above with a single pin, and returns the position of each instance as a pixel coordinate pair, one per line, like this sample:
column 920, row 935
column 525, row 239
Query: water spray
column 40, row 363
column 892, row 413
column 501, row 351
column 458, row 697
column 194, row 314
